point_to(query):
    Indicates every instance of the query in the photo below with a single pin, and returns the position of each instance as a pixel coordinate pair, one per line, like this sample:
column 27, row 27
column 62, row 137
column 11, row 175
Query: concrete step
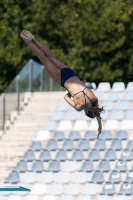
column 11, row 133
column 23, row 128
column 26, row 129
column 18, row 139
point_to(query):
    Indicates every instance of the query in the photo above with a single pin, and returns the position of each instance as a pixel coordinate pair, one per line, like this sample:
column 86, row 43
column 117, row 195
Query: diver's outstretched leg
column 45, row 50
column 52, row 70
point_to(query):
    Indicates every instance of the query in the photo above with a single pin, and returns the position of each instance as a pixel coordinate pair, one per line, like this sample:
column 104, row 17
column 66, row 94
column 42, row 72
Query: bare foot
column 26, row 35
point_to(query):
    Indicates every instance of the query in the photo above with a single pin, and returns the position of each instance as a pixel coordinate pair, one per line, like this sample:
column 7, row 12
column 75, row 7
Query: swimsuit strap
column 84, row 95
column 79, row 92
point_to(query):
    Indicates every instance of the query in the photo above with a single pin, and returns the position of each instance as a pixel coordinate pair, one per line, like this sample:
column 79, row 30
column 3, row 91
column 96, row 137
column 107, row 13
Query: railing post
column 18, row 92
column 4, row 110
column 42, row 78
column 51, row 84
column 31, row 76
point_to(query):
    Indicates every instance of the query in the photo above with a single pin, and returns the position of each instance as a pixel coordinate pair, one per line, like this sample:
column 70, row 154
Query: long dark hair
column 94, row 111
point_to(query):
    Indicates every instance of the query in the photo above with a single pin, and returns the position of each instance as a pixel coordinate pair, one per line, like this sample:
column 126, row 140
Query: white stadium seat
column 73, row 189
column 90, row 189
column 104, row 87
column 64, row 125
column 70, row 166
column 42, row 135
column 118, row 87
column 80, row 125
column 111, row 125
column 129, row 86
column 126, row 124
column 56, row 189
column 39, row 189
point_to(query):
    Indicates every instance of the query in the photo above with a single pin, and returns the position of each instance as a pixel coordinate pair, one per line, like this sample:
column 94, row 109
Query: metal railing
column 30, row 79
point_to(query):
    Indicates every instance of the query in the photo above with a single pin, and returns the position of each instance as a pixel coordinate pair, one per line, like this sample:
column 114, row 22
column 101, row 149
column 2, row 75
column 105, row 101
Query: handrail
column 31, row 78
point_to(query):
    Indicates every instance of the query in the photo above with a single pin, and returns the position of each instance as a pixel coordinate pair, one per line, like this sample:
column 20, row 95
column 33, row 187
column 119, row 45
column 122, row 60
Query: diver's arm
column 67, row 97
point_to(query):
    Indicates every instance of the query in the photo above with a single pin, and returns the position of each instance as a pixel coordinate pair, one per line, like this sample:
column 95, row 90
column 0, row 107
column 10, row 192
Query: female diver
column 82, row 97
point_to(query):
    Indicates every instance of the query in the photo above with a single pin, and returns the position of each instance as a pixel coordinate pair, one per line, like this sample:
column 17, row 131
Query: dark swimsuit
column 67, row 73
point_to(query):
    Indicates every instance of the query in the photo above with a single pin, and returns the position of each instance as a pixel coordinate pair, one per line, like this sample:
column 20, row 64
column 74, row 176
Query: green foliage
column 93, row 37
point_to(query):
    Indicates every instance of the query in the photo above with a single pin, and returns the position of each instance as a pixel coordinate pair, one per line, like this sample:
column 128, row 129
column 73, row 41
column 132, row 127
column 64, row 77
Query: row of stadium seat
column 117, row 86
column 94, row 154
column 104, row 165
column 83, row 144
column 117, row 114
column 80, row 125
column 80, row 177
column 114, row 96
column 87, row 166
column 43, row 135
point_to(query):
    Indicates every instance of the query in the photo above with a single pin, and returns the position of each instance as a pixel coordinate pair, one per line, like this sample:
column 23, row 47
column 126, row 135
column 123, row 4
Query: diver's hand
column 84, row 81
column 68, row 94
